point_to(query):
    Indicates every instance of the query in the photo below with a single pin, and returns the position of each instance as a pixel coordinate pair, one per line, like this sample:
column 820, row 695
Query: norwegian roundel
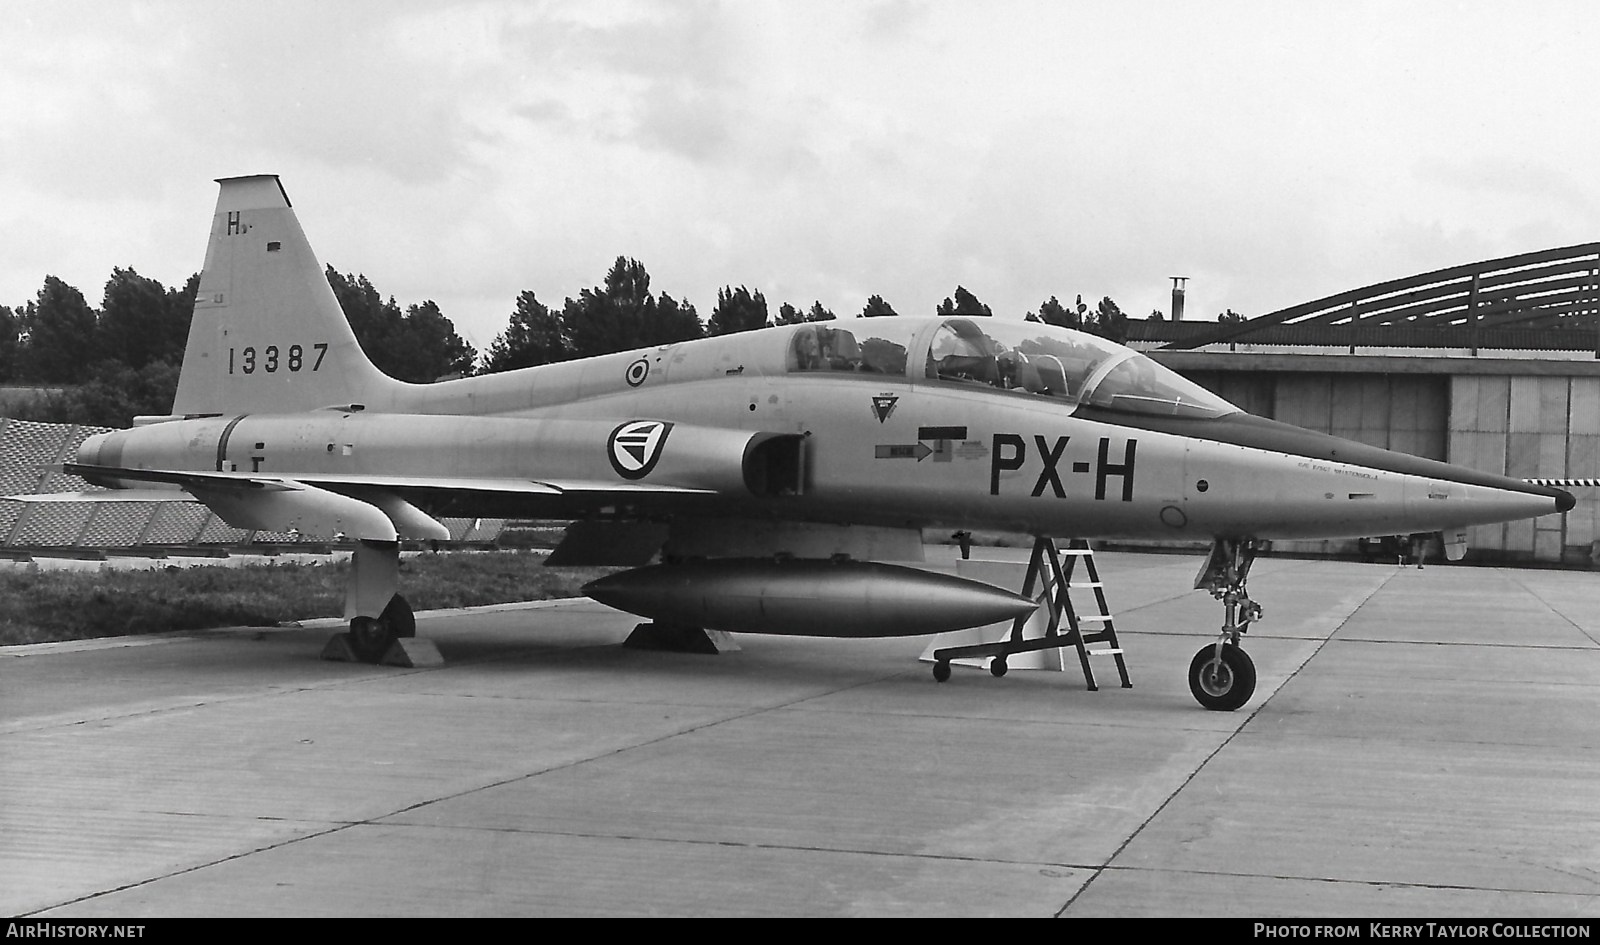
column 635, row 446
column 637, row 372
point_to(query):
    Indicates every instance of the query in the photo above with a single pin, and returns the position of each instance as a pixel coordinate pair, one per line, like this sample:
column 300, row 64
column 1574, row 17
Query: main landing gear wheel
column 371, row 637
column 998, row 667
column 941, row 671
column 1222, row 682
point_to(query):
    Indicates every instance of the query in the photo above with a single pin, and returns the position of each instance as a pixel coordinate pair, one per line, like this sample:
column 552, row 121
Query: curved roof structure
column 1546, row 300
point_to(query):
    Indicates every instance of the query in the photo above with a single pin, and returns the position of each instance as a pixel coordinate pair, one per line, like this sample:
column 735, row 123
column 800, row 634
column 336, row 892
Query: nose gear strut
column 1222, row 676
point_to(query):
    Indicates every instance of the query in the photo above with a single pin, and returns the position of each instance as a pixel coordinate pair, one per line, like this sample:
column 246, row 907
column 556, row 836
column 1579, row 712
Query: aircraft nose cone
column 1565, row 501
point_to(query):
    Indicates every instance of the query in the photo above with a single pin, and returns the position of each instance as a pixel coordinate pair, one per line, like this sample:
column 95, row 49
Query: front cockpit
column 1022, row 358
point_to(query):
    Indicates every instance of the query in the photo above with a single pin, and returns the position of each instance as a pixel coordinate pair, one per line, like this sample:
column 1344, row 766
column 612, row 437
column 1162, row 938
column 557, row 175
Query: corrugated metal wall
column 1520, row 426
column 1532, row 427
column 1401, row 412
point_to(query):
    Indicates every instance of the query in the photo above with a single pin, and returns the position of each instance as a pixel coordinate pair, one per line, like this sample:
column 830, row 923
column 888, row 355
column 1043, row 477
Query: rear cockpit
column 879, row 349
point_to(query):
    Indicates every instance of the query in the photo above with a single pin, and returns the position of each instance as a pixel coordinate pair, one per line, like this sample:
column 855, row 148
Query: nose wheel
column 1222, row 677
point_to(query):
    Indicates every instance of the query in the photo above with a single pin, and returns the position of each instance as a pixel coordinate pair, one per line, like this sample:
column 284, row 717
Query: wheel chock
column 406, row 652
column 338, row 649
column 676, row 638
column 412, row 653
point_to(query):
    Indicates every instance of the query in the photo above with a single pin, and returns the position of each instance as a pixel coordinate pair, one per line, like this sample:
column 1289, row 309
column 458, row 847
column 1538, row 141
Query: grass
column 48, row 606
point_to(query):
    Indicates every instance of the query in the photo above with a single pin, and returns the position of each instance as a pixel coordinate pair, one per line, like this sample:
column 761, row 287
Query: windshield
column 1064, row 364
column 1139, row 385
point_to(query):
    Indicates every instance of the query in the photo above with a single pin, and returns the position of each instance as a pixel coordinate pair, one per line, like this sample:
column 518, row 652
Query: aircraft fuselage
column 897, row 450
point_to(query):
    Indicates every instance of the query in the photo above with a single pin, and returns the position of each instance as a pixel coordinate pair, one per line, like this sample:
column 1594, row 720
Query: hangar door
column 1409, row 413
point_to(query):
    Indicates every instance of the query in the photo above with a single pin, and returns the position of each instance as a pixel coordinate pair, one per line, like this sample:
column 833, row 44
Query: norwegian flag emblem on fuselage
column 635, row 446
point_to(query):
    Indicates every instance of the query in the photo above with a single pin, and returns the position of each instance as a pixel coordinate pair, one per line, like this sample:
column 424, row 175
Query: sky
column 465, row 152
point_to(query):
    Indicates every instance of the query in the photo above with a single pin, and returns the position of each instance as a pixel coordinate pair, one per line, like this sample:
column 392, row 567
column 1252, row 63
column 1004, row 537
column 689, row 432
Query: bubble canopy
column 1063, row 364
column 1024, row 358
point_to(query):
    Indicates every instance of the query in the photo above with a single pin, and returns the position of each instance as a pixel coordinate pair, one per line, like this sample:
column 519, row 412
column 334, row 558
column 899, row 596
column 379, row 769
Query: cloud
column 813, row 150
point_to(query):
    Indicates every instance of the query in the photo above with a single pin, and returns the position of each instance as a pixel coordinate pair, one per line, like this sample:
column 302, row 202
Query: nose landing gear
column 1222, row 676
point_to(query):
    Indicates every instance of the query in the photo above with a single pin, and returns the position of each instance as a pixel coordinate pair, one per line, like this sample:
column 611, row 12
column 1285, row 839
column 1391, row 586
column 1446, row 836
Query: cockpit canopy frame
column 1023, row 358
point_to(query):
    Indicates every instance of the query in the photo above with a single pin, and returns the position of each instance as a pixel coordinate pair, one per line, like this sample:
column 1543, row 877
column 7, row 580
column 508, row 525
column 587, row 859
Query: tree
column 182, row 302
column 419, row 345
column 818, row 314
column 377, row 324
column 789, row 315
column 1156, row 315
column 1052, row 312
column 59, row 326
column 737, row 310
column 1230, row 317
column 876, row 307
column 673, row 321
column 622, row 314
column 1108, row 321
column 533, row 337
column 965, row 303
column 433, row 347
column 142, row 322
column 111, row 398
column 10, row 342
column 608, row 318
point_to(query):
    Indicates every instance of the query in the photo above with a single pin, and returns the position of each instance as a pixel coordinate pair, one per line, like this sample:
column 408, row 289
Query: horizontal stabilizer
column 107, row 495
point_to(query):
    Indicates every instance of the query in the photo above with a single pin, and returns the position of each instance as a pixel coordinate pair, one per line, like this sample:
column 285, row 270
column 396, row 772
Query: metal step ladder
column 1051, row 569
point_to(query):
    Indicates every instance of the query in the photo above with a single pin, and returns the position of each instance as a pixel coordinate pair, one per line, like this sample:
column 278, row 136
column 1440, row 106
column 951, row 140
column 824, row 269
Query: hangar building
column 1493, row 365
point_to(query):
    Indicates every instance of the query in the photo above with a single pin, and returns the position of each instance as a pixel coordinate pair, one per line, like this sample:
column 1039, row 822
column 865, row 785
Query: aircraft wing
column 361, row 506
column 191, row 480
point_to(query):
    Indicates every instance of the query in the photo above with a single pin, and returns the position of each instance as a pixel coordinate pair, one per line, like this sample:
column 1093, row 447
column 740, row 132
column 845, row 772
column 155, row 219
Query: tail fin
column 268, row 335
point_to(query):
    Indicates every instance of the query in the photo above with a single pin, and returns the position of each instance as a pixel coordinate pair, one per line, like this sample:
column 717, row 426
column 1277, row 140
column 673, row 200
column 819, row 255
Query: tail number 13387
column 272, row 359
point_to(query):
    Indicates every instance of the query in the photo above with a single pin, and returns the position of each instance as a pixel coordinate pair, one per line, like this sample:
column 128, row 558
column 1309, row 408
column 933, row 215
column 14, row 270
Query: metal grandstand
column 1547, row 300
column 29, row 450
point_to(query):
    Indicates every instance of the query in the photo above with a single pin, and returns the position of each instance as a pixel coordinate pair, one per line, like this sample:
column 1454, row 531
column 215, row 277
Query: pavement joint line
column 387, row 673
column 184, row 870
column 1470, row 643
column 743, row 845
column 1379, row 883
column 374, row 821
column 1218, row 750
column 646, row 743
column 953, row 858
column 215, row 701
column 1553, row 608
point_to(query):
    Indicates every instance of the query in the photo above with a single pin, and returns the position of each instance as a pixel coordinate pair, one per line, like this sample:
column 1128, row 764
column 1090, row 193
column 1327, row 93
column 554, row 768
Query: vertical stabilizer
column 268, row 335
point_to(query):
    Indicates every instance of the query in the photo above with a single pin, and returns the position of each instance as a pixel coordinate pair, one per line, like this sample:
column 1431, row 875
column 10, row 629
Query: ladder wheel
column 941, row 671
column 998, row 667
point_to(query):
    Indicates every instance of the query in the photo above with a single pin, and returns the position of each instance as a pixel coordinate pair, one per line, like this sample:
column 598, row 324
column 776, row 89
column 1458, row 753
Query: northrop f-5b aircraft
column 771, row 473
